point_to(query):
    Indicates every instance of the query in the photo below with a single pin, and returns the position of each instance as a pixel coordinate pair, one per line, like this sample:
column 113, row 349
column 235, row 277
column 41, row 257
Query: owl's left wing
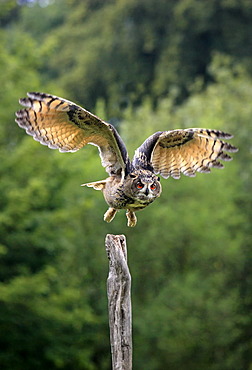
column 61, row 124
column 188, row 151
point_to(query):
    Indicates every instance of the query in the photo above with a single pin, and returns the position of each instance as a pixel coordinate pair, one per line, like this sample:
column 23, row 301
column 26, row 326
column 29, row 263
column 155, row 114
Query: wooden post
column 119, row 302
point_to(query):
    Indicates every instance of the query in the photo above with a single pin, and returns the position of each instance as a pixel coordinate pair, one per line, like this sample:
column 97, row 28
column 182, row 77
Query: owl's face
column 144, row 186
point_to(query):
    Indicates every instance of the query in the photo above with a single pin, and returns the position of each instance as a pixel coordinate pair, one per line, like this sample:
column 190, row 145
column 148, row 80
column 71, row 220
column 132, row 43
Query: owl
column 131, row 185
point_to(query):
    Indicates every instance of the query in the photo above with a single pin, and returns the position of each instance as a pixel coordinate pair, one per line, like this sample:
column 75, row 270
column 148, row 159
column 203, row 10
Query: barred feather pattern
column 61, row 124
column 189, row 151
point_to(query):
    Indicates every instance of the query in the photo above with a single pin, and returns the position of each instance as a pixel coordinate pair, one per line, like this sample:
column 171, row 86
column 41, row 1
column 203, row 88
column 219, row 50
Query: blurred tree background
column 145, row 66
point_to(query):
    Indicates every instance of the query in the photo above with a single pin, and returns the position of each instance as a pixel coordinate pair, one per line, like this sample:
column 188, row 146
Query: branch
column 119, row 302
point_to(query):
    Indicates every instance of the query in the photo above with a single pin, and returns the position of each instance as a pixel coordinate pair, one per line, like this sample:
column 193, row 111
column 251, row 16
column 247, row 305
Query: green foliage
column 190, row 254
column 19, row 73
column 125, row 50
column 47, row 318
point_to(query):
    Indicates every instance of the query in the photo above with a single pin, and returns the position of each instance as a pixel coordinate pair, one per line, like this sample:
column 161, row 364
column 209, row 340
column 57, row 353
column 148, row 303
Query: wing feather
column 188, row 151
column 61, row 124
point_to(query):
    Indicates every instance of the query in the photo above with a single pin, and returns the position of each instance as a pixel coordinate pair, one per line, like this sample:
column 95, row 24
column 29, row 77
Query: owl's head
column 144, row 185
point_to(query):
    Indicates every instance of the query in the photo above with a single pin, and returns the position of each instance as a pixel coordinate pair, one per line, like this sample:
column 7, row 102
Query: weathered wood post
column 119, row 302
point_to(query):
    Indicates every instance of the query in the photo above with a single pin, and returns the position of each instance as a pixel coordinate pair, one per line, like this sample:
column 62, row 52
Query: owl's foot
column 110, row 214
column 132, row 220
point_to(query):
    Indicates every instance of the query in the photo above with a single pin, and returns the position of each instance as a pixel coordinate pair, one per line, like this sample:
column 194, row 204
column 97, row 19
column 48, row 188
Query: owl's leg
column 110, row 214
column 131, row 216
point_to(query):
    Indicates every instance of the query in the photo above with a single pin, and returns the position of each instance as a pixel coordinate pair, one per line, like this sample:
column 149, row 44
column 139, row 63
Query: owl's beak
column 147, row 191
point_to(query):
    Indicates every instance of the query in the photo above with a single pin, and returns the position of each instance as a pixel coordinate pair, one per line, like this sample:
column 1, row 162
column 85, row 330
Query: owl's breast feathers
column 119, row 195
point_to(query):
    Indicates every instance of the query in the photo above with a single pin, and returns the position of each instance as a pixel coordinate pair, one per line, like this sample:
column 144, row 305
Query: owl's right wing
column 188, row 151
column 61, row 124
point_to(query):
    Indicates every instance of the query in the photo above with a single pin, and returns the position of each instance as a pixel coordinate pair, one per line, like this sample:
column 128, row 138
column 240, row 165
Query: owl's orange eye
column 139, row 185
column 153, row 186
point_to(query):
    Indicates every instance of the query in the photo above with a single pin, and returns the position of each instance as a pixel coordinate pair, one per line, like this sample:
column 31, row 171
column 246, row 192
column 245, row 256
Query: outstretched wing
column 188, row 151
column 61, row 124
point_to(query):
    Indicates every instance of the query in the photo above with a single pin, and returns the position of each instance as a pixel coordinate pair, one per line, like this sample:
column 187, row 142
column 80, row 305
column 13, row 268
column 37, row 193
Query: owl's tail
column 97, row 185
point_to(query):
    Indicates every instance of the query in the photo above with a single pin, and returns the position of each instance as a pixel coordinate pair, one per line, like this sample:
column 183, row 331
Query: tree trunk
column 119, row 302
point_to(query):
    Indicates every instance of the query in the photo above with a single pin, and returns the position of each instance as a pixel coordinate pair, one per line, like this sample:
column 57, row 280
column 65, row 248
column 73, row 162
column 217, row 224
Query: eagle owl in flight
column 131, row 185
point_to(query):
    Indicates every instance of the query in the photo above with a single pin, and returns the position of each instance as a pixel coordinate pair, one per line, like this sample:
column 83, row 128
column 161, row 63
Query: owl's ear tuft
column 132, row 175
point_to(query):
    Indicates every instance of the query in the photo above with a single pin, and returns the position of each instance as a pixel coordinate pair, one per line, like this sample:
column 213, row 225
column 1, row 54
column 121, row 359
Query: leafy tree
column 125, row 50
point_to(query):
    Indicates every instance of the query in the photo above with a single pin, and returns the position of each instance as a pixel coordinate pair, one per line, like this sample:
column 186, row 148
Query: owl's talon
column 131, row 217
column 110, row 214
